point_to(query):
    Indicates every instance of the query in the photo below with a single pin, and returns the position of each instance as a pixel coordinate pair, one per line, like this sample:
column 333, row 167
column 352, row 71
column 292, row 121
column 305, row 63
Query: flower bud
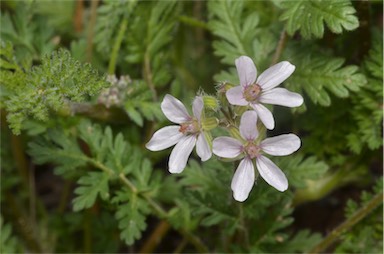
column 211, row 102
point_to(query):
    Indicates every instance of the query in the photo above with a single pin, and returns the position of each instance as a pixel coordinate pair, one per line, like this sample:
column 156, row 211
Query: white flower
column 249, row 149
column 263, row 90
column 185, row 135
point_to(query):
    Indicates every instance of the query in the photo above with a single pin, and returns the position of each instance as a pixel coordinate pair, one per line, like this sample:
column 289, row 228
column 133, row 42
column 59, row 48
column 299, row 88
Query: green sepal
column 209, row 123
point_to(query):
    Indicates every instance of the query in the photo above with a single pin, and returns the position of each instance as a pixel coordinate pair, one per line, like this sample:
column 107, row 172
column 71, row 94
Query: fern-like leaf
column 91, row 185
column 368, row 113
column 309, row 17
column 48, row 87
column 131, row 213
column 317, row 76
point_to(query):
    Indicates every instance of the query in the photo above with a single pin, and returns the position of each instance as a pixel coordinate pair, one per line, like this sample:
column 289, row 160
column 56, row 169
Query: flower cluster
column 251, row 94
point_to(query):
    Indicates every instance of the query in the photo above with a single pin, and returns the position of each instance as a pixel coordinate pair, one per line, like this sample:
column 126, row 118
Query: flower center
column 190, row 127
column 252, row 92
column 252, row 150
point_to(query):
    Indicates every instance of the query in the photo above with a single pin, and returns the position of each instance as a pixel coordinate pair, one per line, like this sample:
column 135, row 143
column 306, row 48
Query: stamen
column 252, row 150
column 252, row 92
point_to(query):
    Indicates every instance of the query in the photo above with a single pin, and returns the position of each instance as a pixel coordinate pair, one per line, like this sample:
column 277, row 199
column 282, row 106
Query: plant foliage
column 309, row 17
column 46, row 87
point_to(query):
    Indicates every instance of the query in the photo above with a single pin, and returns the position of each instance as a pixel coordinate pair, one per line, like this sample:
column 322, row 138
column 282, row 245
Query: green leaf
column 109, row 16
column 367, row 104
column 135, row 116
column 48, row 87
column 299, row 169
column 57, row 148
column 90, row 186
column 8, row 242
column 309, row 17
column 238, row 32
column 301, row 242
column 319, row 75
column 131, row 216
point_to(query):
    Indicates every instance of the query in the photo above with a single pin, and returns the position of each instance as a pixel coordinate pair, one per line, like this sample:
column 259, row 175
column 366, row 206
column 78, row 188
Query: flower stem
column 116, row 46
column 280, row 46
column 346, row 225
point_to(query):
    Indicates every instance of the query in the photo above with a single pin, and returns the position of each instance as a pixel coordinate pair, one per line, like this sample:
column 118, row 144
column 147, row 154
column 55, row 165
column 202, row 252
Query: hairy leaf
column 90, row 186
column 309, row 17
column 317, row 76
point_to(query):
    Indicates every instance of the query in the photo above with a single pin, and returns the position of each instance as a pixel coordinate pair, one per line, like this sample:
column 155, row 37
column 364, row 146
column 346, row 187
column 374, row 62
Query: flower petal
column 197, row 107
column 246, row 70
column 180, row 154
column 174, row 109
column 243, row 180
column 282, row 97
column 281, row 145
column 164, row 138
column 264, row 115
column 275, row 75
column 202, row 147
column 248, row 129
column 271, row 173
column 235, row 96
column 227, row 147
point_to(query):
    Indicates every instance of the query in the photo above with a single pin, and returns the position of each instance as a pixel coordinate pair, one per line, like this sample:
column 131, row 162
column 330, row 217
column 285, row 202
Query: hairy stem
column 280, row 46
column 160, row 212
column 148, row 75
column 346, row 225
column 155, row 238
column 116, row 46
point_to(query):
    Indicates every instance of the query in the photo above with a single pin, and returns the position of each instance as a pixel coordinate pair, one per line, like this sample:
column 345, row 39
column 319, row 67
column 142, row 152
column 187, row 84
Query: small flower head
column 250, row 150
column 185, row 136
column 254, row 91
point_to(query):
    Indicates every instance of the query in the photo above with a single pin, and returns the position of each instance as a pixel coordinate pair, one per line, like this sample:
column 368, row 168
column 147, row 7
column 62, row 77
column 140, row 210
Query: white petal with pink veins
column 197, row 107
column 275, row 75
column 248, row 129
column 227, row 147
column 264, row 115
column 235, row 96
column 271, row 173
column 180, row 154
column 164, row 138
column 202, row 147
column 246, row 70
column 243, row 180
column 282, row 97
column 281, row 145
column 174, row 109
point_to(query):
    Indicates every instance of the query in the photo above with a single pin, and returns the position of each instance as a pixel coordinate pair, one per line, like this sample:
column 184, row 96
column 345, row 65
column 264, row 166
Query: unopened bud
column 211, row 102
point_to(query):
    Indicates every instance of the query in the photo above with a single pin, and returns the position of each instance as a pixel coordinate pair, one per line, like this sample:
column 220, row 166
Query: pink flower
column 263, row 90
column 248, row 148
column 185, row 135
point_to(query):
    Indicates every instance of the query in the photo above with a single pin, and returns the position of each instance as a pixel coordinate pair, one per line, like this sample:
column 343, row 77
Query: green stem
column 161, row 213
column 346, row 225
column 280, row 46
column 148, row 76
column 193, row 22
column 116, row 46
